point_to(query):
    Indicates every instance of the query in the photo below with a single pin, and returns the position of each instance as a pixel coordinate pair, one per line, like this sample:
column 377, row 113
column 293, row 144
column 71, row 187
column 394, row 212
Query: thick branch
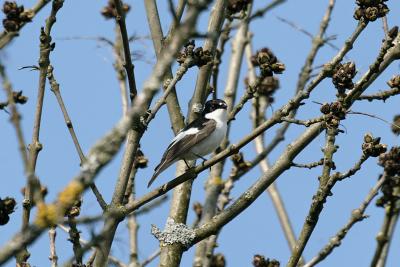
column 171, row 254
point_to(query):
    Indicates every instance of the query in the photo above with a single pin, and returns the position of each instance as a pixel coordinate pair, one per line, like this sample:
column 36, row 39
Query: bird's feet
column 203, row 158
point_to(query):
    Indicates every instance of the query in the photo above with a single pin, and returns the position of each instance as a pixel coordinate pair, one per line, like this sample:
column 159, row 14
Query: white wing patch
column 182, row 134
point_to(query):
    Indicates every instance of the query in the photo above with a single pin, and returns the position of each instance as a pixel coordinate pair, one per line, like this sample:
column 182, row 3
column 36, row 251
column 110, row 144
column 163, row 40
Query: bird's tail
column 160, row 167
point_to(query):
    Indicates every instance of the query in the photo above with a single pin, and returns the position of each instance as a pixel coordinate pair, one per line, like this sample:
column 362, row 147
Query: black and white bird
column 197, row 139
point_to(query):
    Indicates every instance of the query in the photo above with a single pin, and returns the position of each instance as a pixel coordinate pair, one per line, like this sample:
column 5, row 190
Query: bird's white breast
column 209, row 144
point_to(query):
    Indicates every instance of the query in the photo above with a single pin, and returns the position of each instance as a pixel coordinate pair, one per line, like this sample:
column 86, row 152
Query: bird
column 199, row 138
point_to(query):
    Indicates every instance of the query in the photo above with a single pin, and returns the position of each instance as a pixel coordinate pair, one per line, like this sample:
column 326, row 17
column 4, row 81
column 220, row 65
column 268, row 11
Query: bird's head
column 213, row 105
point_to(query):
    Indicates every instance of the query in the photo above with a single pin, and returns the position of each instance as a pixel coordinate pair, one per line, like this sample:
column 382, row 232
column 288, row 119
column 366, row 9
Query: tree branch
column 6, row 37
column 120, row 18
column 357, row 215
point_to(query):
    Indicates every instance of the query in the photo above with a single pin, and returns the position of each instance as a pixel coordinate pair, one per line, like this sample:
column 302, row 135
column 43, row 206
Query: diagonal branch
column 55, row 88
column 6, row 37
column 357, row 215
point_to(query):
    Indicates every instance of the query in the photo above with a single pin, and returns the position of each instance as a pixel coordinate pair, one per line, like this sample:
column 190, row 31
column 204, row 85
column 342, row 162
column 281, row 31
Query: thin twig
column 53, row 255
column 357, row 215
column 223, row 39
column 306, row 123
column 32, row 188
column 382, row 95
column 151, row 206
column 319, row 197
column 87, row 244
column 160, row 42
column 170, row 86
column 120, row 18
column 152, row 257
column 248, row 94
column 385, row 26
column 133, row 228
column 262, row 11
column 15, row 117
column 310, row 165
column 385, row 235
column 119, row 69
column 6, row 37
column 388, row 52
column 261, row 104
column 74, row 237
column 55, row 88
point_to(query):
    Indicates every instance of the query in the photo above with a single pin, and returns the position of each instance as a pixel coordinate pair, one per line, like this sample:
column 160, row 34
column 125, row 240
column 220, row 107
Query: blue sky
column 83, row 67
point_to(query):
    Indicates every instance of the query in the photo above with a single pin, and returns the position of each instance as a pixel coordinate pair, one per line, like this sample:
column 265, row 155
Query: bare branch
column 319, row 197
column 15, row 117
column 55, row 88
column 6, row 37
column 357, row 215
column 382, row 95
column 262, row 11
column 53, row 255
column 306, row 123
column 120, row 18
column 385, row 235
column 310, row 165
column 32, row 188
column 152, row 257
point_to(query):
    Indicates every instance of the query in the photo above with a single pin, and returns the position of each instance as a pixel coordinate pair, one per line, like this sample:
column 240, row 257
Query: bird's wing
column 182, row 143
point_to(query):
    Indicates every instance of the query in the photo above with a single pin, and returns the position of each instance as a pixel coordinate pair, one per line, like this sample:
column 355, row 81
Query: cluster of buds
column 110, row 11
column 390, row 161
column 372, row 146
column 7, row 206
column 335, row 113
column 267, row 87
column 390, row 190
column 236, row 6
column 218, row 260
column 18, row 98
column 75, row 210
column 261, row 261
column 343, row 75
column 140, row 160
column 396, row 125
column 370, row 10
column 198, row 56
column 394, row 82
column 267, row 62
column 15, row 16
column 239, row 163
